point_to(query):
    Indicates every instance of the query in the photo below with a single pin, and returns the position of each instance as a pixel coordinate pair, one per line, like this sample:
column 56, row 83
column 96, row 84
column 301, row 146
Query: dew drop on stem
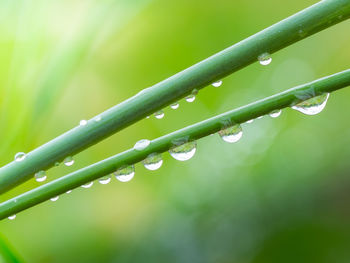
column 12, row 217
column 231, row 134
column 275, row 113
column 174, row 106
column 312, row 106
column 69, row 161
column 142, row 144
column 217, row 84
column 20, row 156
column 54, row 199
column 125, row 173
column 184, row 152
column 105, row 179
column 40, row 176
column 265, row 59
column 87, row 185
column 159, row 114
column 153, row 161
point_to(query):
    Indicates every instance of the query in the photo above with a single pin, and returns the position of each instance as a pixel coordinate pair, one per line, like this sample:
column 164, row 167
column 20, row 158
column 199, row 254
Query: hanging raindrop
column 250, row 121
column 53, row 199
column 105, row 179
column 275, row 113
column 153, row 161
column 20, row 156
column 217, row 84
column 83, row 122
column 231, row 134
column 12, row 217
column 40, row 176
column 142, row 144
column 87, row 185
column 190, row 98
column 125, row 173
column 98, row 118
column 265, row 59
column 68, row 161
column 69, row 191
column 159, row 114
column 174, row 106
column 312, row 106
column 184, row 152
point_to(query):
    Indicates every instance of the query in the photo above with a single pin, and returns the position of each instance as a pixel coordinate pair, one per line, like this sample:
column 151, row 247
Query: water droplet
column 275, row 113
column 12, row 217
column 265, row 59
column 148, row 117
column 153, row 161
column 53, row 199
column 159, row 114
column 142, row 144
column 174, row 106
column 57, row 163
column 125, row 174
column 87, row 185
column 98, row 118
column 231, row 134
column 83, row 122
column 260, row 117
column 40, row 176
column 20, row 156
column 312, row 106
column 190, row 98
column 250, row 121
column 105, row 179
column 184, row 152
column 69, row 191
column 217, row 84
column 68, row 161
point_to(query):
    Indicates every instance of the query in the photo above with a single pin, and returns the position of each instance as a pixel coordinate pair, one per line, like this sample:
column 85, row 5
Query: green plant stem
column 301, row 25
column 204, row 128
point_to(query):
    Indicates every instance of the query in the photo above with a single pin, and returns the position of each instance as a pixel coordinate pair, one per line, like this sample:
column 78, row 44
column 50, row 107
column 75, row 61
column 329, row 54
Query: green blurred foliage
column 278, row 195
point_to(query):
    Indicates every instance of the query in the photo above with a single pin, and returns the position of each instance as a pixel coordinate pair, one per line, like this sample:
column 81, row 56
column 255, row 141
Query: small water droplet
column 184, row 152
column 40, row 176
column 87, row 185
column 231, row 134
column 275, row 113
column 125, row 173
column 250, row 121
column 159, row 114
column 190, row 98
column 174, row 106
column 142, row 144
column 98, row 118
column 105, row 179
column 69, row 191
column 20, row 156
column 260, row 117
column 83, row 122
column 153, row 161
column 12, row 217
column 265, row 59
column 54, row 199
column 57, row 163
column 148, row 117
column 217, row 84
column 68, row 161
column 312, row 106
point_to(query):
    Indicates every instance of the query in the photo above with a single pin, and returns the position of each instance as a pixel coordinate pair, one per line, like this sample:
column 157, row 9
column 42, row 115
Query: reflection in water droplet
column 231, row 134
column 190, row 98
column 265, row 59
column 68, row 161
column 312, row 106
column 153, row 161
column 217, row 84
column 125, row 173
column 87, row 185
column 174, row 106
column 142, row 144
column 184, row 152
column 20, row 156
column 53, row 199
column 105, row 179
column 83, row 122
column 159, row 114
column 12, row 217
column 40, row 176
column 275, row 113
column 250, row 121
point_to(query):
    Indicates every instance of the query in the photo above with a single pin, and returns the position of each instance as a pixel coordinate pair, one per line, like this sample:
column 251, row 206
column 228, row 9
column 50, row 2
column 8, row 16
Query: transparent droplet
column 275, row 113
column 12, row 217
column 312, row 106
column 57, row 163
column 40, row 176
column 87, row 185
column 98, row 118
column 231, row 134
column 184, row 152
column 20, row 156
column 69, row 191
column 153, row 161
column 260, row 117
column 125, row 174
column 83, row 122
column 148, row 117
column 265, row 59
column 159, row 114
column 142, row 144
column 174, row 106
column 105, row 179
column 250, row 121
column 68, row 161
column 190, row 98
column 53, row 199
column 217, row 84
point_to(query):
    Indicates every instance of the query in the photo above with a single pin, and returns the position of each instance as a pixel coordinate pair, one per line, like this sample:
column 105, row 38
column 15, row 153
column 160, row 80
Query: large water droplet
column 40, row 176
column 190, row 98
column 105, row 179
column 265, row 59
column 87, row 185
column 20, row 156
column 184, row 152
column 125, row 174
column 68, row 161
column 231, row 134
column 174, row 106
column 153, row 161
column 53, row 199
column 12, row 217
column 83, row 122
column 159, row 114
column 312, row 106
column 275, row 113
column 142, row 144
column 217, row 84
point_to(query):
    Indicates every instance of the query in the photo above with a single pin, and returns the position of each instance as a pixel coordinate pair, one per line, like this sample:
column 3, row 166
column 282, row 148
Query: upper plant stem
column 301, row 25
column 164, row 143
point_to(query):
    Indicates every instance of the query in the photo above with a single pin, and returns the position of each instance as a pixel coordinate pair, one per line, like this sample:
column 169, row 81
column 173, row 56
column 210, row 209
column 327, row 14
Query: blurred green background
column 281, row 194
